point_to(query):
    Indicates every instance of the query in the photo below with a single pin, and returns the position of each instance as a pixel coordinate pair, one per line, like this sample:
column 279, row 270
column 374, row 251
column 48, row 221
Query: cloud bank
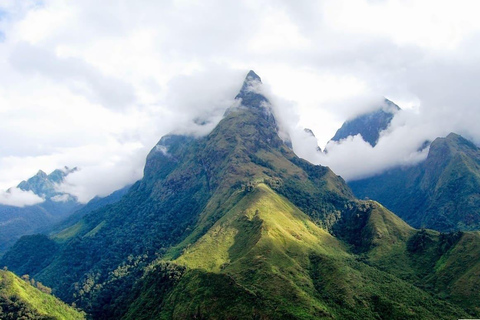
column 18, row 198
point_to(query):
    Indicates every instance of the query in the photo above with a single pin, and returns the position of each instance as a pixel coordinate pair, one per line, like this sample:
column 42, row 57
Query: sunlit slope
column 266, row 259
column 20, row 300
column 189, row 184
column 261, row 219
column 446, row 265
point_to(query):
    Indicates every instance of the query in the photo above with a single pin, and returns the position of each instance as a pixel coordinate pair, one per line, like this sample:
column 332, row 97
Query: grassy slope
column 446, row 265
column 265, row 259
column 39, row 303
column 182, row 195
column 459, row 278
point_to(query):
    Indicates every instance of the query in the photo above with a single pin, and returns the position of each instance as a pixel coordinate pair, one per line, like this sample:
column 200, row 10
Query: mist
column 19, row 198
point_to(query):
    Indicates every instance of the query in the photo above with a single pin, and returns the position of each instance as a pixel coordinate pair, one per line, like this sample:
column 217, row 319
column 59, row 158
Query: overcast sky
column 95, row 84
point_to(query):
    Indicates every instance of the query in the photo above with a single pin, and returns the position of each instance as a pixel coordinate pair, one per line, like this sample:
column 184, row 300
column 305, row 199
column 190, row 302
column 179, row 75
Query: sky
column 95, row 84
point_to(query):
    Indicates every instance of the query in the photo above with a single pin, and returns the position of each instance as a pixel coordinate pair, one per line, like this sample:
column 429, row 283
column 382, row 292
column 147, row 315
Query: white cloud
column 353, row 158
column 61, row 198
column 398, row 145
column 96, row 84
column 18, row 198
column 430, row 24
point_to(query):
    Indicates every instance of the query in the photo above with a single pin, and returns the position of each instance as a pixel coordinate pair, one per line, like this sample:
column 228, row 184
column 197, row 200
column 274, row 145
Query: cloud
column 95, row 85
column 399, row 145
column 199, row 100
column 103, row 170
column 353, row 158
column 78, row 75
column 61, row 198
column 99, row 180
column 18, row 198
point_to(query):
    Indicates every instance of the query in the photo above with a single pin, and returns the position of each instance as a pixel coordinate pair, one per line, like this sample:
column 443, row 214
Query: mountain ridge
column 44, row 185
column 439, row 193
column 234, row 224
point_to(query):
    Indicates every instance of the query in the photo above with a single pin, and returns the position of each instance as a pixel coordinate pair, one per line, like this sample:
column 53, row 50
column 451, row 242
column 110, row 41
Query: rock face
column 235, row 225
column 368, row 125
column 441, row 193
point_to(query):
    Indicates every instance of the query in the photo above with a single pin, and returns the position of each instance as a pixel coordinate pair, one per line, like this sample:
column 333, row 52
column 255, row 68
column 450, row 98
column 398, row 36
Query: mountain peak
column 41, row 174
column 45, row 185
column 450, row 145
column 250, row 93
column 251, row 83
column 439, row 193
column 453, row 136
column 252, row 76
column 309, row 132
column 454, row 139
column 58, row 175
column 370, row 124
column 390, row 106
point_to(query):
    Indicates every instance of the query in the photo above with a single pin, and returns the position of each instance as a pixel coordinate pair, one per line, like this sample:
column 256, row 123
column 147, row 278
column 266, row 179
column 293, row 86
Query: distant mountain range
column 233, row 225
column 441, row 193
column 58, row 211
column 44, row 185
column 18, row 221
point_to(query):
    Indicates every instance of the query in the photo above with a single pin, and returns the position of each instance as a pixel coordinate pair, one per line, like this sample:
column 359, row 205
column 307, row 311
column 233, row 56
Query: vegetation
column 20, row 300
column 440, row 193
column 266, row 259
column 31, row 254
column 233, row 225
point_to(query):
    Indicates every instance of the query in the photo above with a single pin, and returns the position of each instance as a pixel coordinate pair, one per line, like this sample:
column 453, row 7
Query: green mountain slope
column 446, row 265
column 20, row 300
column 440, row 193
column 266, row 259
column 234, row 225
column 187, row 186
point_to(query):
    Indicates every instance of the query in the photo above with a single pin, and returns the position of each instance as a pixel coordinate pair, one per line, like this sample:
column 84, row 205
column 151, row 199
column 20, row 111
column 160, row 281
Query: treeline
column 13, row 308
column 36, row 284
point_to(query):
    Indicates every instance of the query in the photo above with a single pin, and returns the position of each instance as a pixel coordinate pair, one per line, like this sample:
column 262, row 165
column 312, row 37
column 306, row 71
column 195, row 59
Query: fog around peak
column 95, row 85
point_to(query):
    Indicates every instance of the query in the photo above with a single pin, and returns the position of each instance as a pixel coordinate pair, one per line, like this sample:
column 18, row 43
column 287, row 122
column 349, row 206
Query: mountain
column 18, row 221
column 233, row 225
column 368, row 125
column 92, row 205
column 43, row 185
column 19, row 299
column 441, row 193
